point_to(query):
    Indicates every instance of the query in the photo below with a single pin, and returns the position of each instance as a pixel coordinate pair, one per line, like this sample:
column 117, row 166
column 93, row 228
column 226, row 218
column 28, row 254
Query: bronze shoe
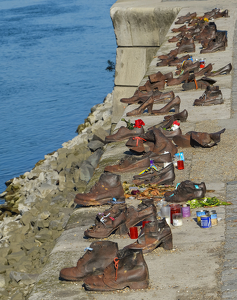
column 175, row 103
column 161, row 177
column 222, row 71
column 179, row 80
column 107, row 225
column 154, row 234
column 186, row 18
column 124, row 133
column 128, row 269
column 97, row 257
column 212, row 96
column 109, row 186
column 186, row 190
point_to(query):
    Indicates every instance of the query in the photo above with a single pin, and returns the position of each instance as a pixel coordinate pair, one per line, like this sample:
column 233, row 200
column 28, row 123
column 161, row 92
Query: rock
column 86, row 171
column 44, row 215
column 2, row 281
column 3, row 194
column 17, row 296
column 26, row 218
column 99, row 134
column 95, row 157
column 15, row 276
column 4, row 268
column 55, row 225
column 44, row 235
column 29, row 243
column 15, row 257
column 58, row 200
column 45, row 189
column 3, row 261
column 4, row 252
column 94, row 145
column 33, row 252
column 62, row 182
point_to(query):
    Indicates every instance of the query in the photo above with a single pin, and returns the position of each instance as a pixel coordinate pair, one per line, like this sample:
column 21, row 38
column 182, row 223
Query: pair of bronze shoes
column 106, row 268
column 198, row 139
column 119, row 218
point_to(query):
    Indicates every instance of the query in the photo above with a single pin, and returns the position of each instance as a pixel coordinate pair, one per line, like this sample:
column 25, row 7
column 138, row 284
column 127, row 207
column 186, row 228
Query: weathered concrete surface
column 202, row 265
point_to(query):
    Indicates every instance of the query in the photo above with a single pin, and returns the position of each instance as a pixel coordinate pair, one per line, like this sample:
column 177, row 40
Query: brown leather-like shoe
column 211, row 96
column 180, row 29
column 214, row 48
column 186, row 190
column 109, row 186
column 186, row 18
column 176, row 61
column 139, row 96
column 175, row 103
column 182, row 116
column 128, row 269
column 108, row 224
column 129, row 165
column 179, row 80
column 124, row 133
column 161, row 177
column 98, row 256
column 154, row 234
column 222, row 71
column 145, row 210
column 186, row 48
column 146, row 105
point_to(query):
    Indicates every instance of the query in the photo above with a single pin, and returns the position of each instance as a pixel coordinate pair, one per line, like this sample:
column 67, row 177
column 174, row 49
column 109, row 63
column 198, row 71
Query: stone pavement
column 202, row 264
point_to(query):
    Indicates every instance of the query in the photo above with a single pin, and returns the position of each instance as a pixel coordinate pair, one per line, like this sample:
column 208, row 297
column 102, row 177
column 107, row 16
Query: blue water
column 53, row 60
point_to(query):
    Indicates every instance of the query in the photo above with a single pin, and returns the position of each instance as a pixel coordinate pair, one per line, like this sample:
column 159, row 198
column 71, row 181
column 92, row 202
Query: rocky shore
column 40, row 202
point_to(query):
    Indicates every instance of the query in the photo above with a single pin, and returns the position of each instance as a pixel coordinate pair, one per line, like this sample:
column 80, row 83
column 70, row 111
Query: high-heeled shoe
column 138, row 111
column 222, row 71
column 175, row 103
column 179, row 80
column 135, row 98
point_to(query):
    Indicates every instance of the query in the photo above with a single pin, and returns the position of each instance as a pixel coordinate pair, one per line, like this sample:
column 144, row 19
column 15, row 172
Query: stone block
column 136, row 25
column 99, row 134
column 86, row 171
column 2, row 281
column 95, row 144
column 95, row 158
column 15, row 257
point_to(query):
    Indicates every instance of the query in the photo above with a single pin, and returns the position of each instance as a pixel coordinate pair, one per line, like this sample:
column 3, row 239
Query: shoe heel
column 176, row 108
column 122, row 230
column 139, row 285
column 167, row 244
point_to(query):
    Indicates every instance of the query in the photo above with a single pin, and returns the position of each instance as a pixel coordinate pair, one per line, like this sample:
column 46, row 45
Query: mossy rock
column 39, row 163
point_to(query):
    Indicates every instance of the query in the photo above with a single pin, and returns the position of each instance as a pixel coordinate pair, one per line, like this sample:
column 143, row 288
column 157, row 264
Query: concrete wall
column 140, row 28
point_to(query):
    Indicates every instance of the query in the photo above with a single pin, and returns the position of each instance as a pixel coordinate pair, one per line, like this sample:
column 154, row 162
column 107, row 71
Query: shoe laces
column 137, row 138
column 116, row 262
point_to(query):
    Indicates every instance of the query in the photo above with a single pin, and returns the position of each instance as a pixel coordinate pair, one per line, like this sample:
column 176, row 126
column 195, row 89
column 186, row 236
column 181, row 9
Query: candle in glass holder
column 177, row 219
column 174, row 209
column 133, row 232
column 180, row 164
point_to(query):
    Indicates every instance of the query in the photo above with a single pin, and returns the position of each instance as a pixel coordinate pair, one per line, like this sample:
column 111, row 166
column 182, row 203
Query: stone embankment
column 40, row 202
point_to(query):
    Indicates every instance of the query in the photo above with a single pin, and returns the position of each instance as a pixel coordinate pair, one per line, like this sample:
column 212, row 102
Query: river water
column 53, row 60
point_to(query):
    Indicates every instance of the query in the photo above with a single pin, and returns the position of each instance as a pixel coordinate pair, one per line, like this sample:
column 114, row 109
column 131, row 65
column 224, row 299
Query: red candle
column 144, row 223
column 174, row 209
column 180, row 164
column 133, row 232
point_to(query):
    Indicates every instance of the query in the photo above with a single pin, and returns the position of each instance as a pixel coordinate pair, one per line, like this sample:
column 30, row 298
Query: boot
column 173, row 103
column 148, row 86
column 146, row 210
column 186, row 48
column 163, row 144
column 211, row 96
column 137, row 144
column 98, row 256
column 186, row 190
column 108, row 224
column 128, row 269
column 214, row 47
column 177, row 61
column 159, row 77
column 154, row 234
column 109, row 186
column 138, row 111
column 123, row 133
column 169, row 55
column 182, row 116
column 163, row 176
